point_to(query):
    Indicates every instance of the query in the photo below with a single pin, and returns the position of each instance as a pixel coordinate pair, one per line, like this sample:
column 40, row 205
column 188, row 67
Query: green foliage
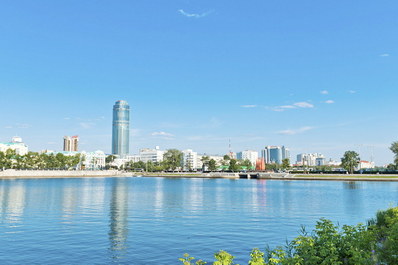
column 187, row 260
column 233, row 165
column 394, row 149
column 328, row 244
column 172, row 159
column 350, row 160
column 223, row 258
column 212, row 165
column 286, row 163
column 33, row 160
column 257, row 257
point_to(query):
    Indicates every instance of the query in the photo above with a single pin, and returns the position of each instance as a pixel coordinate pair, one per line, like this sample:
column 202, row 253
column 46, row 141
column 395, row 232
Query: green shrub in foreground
column 376, row 243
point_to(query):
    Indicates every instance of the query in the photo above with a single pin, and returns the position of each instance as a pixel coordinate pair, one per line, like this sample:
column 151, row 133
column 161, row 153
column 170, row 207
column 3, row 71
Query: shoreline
column 40, row 174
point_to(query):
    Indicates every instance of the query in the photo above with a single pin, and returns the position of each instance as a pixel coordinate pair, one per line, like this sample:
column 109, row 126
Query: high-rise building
column 121, row 128
column 250, row 155
column 275, row 154
column 71, row 143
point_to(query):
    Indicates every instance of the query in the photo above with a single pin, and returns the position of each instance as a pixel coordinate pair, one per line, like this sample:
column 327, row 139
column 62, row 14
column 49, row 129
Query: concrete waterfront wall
column 58, row 173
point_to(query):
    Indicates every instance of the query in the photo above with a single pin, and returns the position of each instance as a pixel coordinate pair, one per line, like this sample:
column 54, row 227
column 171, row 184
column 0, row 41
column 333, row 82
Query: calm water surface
column 156, row 220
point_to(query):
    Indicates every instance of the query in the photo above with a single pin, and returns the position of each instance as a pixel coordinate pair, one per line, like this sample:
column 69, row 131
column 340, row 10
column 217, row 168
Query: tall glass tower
column 120, row 128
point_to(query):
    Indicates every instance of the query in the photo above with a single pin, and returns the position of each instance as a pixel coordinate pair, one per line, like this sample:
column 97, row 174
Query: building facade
column 189, row 160
column 152, row 155
column 121, row 128
column 250, row 155
column 16, row 144
column 275, row 154
column 311, row 160
column 71, row 143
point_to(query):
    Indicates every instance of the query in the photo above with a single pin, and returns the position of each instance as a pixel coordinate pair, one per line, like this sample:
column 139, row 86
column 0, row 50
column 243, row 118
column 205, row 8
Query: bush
column 376, row 243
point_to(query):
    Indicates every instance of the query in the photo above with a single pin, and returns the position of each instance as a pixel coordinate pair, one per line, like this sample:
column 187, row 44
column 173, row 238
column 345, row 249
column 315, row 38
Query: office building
column 275, row 154
column 250, row 155
column 121, row 128
column 16, row 144
column 71, row 143
column 151, row 155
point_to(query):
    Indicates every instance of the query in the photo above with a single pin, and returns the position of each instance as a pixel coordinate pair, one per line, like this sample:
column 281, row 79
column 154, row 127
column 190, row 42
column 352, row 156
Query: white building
column 311, row 160
column 216, row 158
column 153, row 155
column 94, row 160
column 190, row 160
column 250, row 155
column 365, row 165
column 15, row 144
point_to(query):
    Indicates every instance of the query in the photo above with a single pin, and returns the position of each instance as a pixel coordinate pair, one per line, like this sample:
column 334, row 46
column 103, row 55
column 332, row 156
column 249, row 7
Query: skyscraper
column 71, row 143
column 121, row 128
column 275, row 154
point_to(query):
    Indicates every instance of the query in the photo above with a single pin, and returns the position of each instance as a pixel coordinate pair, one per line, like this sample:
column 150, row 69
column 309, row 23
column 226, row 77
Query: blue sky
column 316, row 76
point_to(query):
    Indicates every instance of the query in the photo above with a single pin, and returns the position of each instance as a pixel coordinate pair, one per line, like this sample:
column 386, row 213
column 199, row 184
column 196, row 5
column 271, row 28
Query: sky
column 315, row 76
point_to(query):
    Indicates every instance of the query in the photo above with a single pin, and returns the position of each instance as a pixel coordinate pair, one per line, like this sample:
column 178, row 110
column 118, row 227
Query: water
column 156, row 220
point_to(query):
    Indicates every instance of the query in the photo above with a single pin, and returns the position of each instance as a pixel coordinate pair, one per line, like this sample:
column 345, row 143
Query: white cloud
column 193, row 15
column 296, row 105
column 8, row 127
column 303, row 105
column 296, row 131
column 329, row 101
column 352, row 91
column 23, row 126
column 66, row 118
column 324, row 92
column 249, row 106
column 165, row 134
column 384, row 55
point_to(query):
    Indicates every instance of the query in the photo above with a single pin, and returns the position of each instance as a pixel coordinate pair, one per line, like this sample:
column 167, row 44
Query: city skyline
column 197, row 77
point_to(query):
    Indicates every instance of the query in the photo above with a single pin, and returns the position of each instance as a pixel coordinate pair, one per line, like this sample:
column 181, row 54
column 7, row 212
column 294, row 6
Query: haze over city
column 195, row 76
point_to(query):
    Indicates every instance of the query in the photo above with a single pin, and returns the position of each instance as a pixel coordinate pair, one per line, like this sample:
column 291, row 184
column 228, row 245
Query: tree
column 205, row 161
column 212, row 165
column 350, row 160
column 172, row 159
column 233, row 165
column 394, row 149
column 247, row 164
column 286, row 163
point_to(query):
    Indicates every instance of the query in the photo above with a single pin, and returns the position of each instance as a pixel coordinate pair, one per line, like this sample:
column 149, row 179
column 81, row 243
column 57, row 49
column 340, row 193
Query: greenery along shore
column 373, row 244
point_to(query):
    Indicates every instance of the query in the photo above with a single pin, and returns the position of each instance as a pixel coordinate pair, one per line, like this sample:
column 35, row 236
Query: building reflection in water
column 118, row 214
column 12, row 201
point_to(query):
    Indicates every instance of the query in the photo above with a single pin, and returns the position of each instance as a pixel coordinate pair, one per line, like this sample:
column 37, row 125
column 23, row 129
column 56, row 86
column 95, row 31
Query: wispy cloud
column 324, row 92
column 8, row 127
column 295, row 131
column 87, row 125
column 163, row 135
column 329, row 101
column 352, row 91
column 384, row 55
column 195, row 15
column 248, row 106
column 297, row 105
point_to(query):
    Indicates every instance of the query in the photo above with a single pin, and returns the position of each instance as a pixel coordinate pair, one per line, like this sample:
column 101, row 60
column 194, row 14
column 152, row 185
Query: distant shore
column 32, row 174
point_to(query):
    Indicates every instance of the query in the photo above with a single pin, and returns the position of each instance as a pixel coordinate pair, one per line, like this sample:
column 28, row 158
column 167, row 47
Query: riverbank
column 23, row 174
column 30, row 174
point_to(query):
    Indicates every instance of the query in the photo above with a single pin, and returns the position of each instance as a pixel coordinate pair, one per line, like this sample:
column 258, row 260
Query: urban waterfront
column 139, row 220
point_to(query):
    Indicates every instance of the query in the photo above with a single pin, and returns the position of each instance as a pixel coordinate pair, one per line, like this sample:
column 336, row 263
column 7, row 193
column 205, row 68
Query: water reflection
column 352, row 185
column 12, row 201
column 118, row 223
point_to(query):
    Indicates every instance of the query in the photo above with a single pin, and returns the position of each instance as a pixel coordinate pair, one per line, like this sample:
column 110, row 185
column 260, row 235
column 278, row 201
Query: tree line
column 33, row 160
